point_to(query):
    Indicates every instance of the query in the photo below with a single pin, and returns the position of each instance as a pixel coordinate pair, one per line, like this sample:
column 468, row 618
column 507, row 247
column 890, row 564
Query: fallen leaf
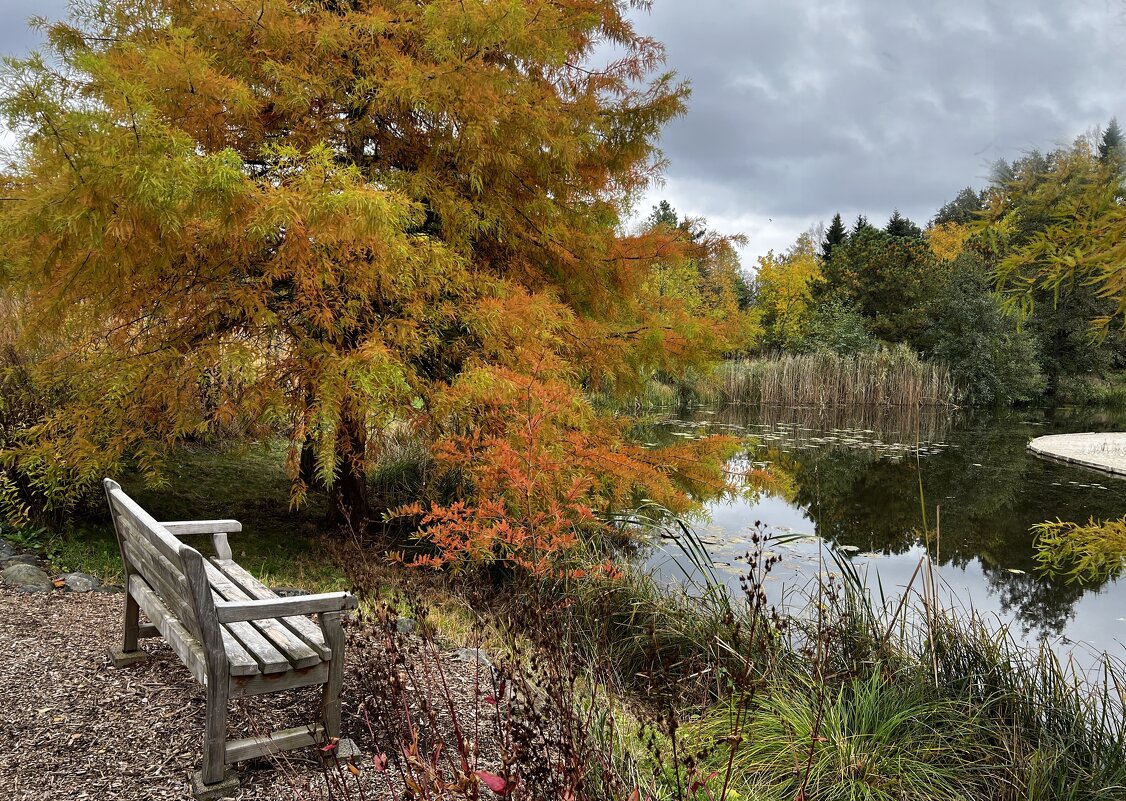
column 495, row 783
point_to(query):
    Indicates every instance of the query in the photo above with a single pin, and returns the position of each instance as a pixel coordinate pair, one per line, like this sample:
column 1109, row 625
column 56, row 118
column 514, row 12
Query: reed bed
column 883, row 378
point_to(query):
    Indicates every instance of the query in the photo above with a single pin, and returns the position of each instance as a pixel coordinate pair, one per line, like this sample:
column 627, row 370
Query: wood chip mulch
column 73, row 727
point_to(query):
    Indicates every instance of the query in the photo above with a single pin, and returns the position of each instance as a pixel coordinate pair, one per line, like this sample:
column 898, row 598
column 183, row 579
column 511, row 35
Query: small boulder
column 472, row 655
column 405, row 625
column 7, row 550
column 80, row 582
column 27, row 578
column 289, row 592
column 22, row 559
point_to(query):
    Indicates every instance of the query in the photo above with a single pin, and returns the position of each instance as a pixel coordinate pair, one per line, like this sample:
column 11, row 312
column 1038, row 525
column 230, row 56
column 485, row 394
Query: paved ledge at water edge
column 1105, row 451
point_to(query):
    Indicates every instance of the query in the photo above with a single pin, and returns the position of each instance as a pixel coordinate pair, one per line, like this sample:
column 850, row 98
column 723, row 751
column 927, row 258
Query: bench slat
column 284, row 740
column 162, row 578
column 307, row 630
column 186, row 646
column 242, row 686
column 269, row 658
column 295, row 649
column 145, row 526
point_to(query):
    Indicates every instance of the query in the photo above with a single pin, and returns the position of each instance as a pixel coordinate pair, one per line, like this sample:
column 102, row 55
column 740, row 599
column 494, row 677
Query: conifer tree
column 835, row 235
column 1110, row 143
column 861, row 225
column 899, row 225
column 314, row 217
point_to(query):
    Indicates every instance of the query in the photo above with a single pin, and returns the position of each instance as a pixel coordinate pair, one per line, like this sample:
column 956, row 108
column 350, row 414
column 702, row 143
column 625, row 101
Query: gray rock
column 7, row 550
column 80, row 582
column 405, row 625
column 289, row 592
column 22, row 559
column 471, row 655
column 27, row 578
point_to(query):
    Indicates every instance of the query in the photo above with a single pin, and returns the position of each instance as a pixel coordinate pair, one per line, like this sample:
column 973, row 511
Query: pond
column 854, row 478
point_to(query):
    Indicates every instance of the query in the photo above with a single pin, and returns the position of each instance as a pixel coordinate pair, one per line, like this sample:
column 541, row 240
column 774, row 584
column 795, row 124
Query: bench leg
column 330, row 694
column 129, row 653
column 215, row 735
column 132, row 627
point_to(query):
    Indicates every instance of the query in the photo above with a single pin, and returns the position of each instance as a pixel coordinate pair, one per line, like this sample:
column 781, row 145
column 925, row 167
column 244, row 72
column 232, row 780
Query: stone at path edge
column 80, row 582
column 27, row 578
column 21, row 559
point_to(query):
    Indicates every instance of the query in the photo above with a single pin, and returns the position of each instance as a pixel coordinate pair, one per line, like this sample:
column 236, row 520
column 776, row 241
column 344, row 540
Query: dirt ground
column 72, row 727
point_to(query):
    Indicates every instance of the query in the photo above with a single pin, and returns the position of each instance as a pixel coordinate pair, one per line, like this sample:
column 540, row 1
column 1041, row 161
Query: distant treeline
column 980, row 288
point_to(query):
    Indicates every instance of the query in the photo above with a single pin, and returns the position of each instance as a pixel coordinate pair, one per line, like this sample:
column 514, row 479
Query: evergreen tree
column 861, row 225
column 899, row 225
column 1110, row 144
column 962, row 210
column 836, row 235
column 663, row 214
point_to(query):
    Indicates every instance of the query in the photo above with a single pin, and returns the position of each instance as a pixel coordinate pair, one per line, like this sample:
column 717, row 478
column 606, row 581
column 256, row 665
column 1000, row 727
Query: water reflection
column 856, row 481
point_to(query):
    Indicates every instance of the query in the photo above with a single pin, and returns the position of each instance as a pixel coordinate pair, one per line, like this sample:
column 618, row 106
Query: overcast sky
column 800, row 109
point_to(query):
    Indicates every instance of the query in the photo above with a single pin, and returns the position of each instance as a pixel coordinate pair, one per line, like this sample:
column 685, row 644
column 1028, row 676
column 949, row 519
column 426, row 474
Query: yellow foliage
column 785, row 291
column 313, row 218
column 946, row 240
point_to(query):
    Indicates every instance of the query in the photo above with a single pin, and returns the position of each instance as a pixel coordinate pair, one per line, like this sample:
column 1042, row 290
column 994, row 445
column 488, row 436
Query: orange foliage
column 537, row 467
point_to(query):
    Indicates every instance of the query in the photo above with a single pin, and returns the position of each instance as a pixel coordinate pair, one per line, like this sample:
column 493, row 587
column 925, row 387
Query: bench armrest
column 218, row 529
column 236, row 611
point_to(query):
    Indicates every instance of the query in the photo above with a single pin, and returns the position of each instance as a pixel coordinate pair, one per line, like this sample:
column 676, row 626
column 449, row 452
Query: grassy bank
column 248, row 484
column 621, row 688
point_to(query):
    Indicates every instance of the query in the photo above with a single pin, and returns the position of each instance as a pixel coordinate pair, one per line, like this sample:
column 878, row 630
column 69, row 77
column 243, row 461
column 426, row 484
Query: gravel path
column 1105, row 451
column 74, row 728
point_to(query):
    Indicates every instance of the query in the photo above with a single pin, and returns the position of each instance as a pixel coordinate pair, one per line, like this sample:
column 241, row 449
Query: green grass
column 280, row 545
column 873, row 739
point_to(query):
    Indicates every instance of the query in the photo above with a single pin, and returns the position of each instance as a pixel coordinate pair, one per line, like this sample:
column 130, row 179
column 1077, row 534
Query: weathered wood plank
column 230, row 611
column 125, row 508
column 179, row 528
column 215, row 638
column 309, row 631
column 284, row 740
column 330, row 695
column 269, row 658
column 295, row 649
column 218, row 529
column 186, row 646
column 273, row 682
column 163, row 578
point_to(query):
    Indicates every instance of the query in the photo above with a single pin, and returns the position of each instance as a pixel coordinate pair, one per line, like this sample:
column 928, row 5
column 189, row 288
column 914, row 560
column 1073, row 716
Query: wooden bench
column 235, row 635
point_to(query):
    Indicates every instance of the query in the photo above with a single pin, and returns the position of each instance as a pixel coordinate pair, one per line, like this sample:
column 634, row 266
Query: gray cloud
column 862, row 106
column 800, row 109
column 15, row 36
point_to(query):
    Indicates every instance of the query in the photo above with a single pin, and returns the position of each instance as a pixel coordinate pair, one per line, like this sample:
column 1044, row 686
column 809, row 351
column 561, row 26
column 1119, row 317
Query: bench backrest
column 173, row 570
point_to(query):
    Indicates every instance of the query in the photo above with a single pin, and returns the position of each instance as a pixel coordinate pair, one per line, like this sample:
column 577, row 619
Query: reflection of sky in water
column 991, row 490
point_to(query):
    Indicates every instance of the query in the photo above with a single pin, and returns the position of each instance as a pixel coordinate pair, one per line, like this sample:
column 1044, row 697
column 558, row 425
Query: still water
column 855, row 479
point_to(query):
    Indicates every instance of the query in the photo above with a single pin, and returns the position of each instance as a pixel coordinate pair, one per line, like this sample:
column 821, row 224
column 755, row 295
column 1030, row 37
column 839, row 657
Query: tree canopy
column 314, row 217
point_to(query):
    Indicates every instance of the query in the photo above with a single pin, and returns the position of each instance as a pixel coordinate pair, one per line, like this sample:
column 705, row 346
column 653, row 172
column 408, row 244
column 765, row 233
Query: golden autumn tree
column 315, row 216
column 947, row 240
column 784, row 293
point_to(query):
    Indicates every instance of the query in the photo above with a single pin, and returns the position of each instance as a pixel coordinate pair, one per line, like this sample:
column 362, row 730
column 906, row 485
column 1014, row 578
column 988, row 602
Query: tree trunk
column 307, row 467
column 349, row 508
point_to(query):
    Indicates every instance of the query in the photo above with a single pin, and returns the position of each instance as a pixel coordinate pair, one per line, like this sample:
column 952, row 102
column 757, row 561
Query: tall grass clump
column 1059, row 732
column 885, row 377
